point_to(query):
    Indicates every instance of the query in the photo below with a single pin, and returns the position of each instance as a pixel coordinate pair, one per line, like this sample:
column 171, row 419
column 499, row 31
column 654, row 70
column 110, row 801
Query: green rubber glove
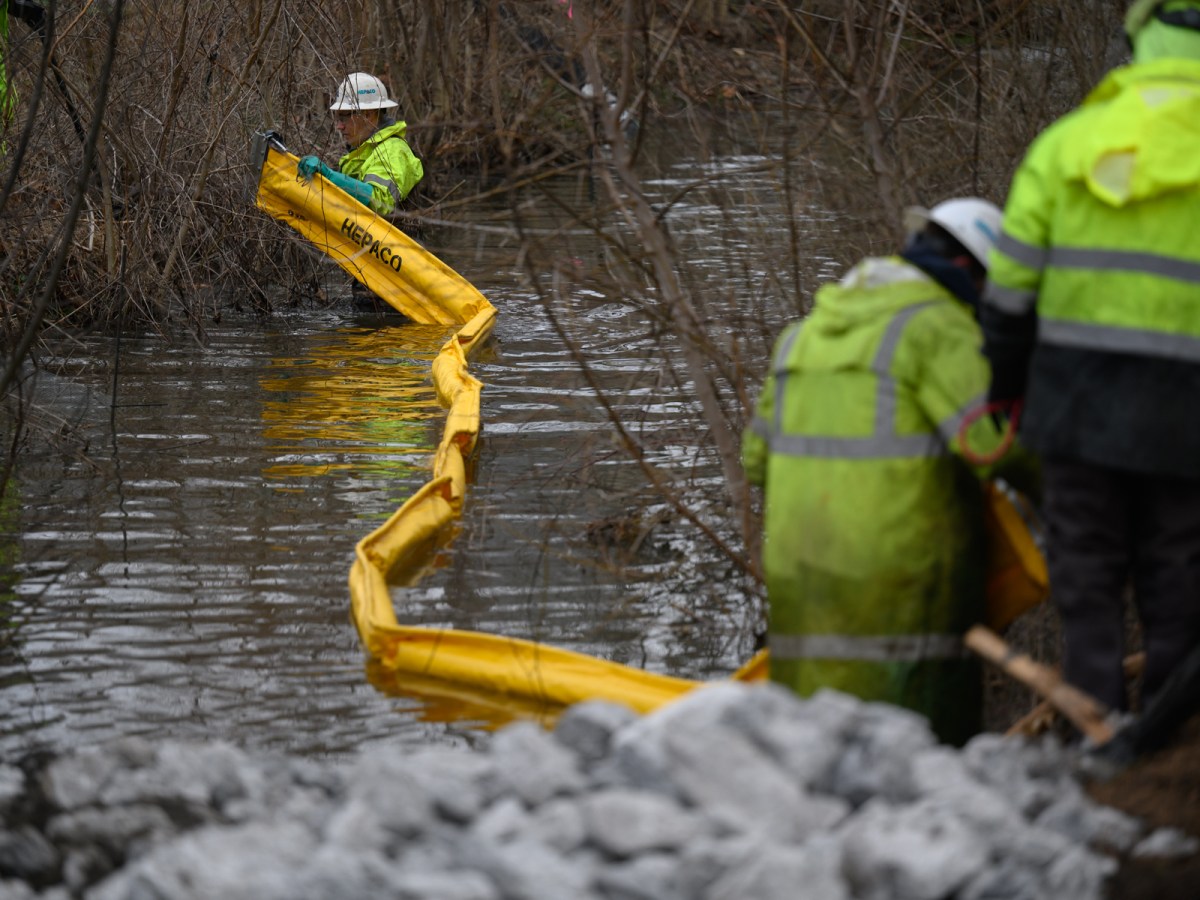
column 359, row 190
column 307, row 167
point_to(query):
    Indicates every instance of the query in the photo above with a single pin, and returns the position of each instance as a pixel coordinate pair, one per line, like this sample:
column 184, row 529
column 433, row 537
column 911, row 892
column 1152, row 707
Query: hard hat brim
column 385, row 104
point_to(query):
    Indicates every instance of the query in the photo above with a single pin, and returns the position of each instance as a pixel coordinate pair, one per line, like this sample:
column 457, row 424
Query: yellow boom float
column 530, row 674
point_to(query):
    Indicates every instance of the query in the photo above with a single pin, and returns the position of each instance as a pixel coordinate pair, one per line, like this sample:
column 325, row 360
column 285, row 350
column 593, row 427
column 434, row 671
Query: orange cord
column 1013, row 410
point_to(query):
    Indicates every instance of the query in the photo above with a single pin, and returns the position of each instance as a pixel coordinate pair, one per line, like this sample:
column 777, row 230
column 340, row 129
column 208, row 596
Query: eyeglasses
column 344, row 115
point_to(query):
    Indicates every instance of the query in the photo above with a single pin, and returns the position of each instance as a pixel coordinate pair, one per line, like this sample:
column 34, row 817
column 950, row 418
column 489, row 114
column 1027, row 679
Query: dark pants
column 1107, row 528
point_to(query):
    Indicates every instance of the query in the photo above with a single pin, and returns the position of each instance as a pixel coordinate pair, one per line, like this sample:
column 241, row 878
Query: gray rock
column 83, row 866
column 124, row 830
column 26, row 854
column 459, row 782
column 1112, row 829
column 372, row 823
column 652, row 876
column 384, row 803
column 939, row 773
column 835, row 713
column 1007, row 880
column 559, row 824
column 1030, row 774
column 443, row 886
column 916, row 852
column 802, row 748
column 502, row 822
column 1030, row 846
column 776, row 872
column 877, row 757
column 1078, row 875
column 201, row 780
column 77, row 779
column 1165, row 843
column 439, row 848
column 688, row 752
column 735, row 791
column 588, row 728
column 16, row 890
column 12, row 788
column 245, row 862
column 342, row 873
column 1076, row 817
column 525, row 869
column 705, row 861
column 736, row 783
column 334, row 874
column 626, row 823
column 532, row 764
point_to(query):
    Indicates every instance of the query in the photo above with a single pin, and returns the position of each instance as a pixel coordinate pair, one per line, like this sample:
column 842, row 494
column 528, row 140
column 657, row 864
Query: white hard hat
column 362, row 91
column 972, row 221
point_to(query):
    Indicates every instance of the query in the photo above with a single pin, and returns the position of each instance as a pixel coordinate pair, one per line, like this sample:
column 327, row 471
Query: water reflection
column 431, row 700
column 356, row 399
column 186, row 576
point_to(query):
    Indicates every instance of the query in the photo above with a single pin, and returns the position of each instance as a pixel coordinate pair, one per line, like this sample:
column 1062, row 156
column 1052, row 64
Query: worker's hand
column 308, row 167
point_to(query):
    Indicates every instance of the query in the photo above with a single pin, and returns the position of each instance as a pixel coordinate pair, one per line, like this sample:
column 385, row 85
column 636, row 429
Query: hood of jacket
column 1137, row 132
column 874, row 289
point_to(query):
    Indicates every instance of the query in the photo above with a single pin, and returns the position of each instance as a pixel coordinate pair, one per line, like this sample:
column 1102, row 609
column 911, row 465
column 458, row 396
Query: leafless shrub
column 847, row 112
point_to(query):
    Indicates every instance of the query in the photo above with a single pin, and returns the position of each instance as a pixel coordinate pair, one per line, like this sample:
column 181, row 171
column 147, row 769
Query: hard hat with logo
column 362, row 91
column 972, row 221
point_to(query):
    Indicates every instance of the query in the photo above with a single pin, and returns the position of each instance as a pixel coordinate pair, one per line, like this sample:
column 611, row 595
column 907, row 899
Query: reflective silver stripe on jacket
column 1117, row 339
column 949, row 428
column 867, row 648
column 1100, row 259
column 389, row 186
column 883, row 442
column 1126, row 261
column 1026, row 254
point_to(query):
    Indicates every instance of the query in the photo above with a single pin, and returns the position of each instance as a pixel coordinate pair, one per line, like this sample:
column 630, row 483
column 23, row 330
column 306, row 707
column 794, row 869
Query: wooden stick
column 1036, row 721
column 1041, row 716
column 1080, row 709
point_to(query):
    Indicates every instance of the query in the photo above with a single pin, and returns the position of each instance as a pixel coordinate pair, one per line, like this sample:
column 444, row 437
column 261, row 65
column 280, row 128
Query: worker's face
column 355, row 126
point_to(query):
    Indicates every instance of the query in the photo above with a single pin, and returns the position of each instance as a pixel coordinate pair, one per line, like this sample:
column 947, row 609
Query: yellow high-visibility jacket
column 873, row 546
column 387, row 164
column 1093, row 302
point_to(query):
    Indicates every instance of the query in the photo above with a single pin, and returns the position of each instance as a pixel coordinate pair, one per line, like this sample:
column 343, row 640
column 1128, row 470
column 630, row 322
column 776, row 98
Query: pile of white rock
column 733, row 792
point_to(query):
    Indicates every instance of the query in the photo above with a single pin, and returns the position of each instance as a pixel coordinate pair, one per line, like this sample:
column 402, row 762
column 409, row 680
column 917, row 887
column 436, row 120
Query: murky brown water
column 186, row 577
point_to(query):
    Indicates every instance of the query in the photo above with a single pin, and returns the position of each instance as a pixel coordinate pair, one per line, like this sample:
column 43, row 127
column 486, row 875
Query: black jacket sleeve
column 1008, row 342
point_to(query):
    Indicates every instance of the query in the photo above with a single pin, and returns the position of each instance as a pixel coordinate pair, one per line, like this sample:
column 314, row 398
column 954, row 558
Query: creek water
column 185, row 575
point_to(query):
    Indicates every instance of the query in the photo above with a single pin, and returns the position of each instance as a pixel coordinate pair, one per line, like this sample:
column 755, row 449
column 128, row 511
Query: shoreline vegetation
column 126, row 196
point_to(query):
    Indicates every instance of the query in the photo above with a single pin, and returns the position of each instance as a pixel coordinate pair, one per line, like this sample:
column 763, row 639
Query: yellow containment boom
column 520, row 674
column 491, row 664
column 426, row 290
column 381, row 256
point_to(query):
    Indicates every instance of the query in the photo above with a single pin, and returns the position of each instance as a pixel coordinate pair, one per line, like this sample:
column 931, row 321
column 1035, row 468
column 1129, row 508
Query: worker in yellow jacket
column 1092, row 318
column 380, row 168
column 873, row 547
